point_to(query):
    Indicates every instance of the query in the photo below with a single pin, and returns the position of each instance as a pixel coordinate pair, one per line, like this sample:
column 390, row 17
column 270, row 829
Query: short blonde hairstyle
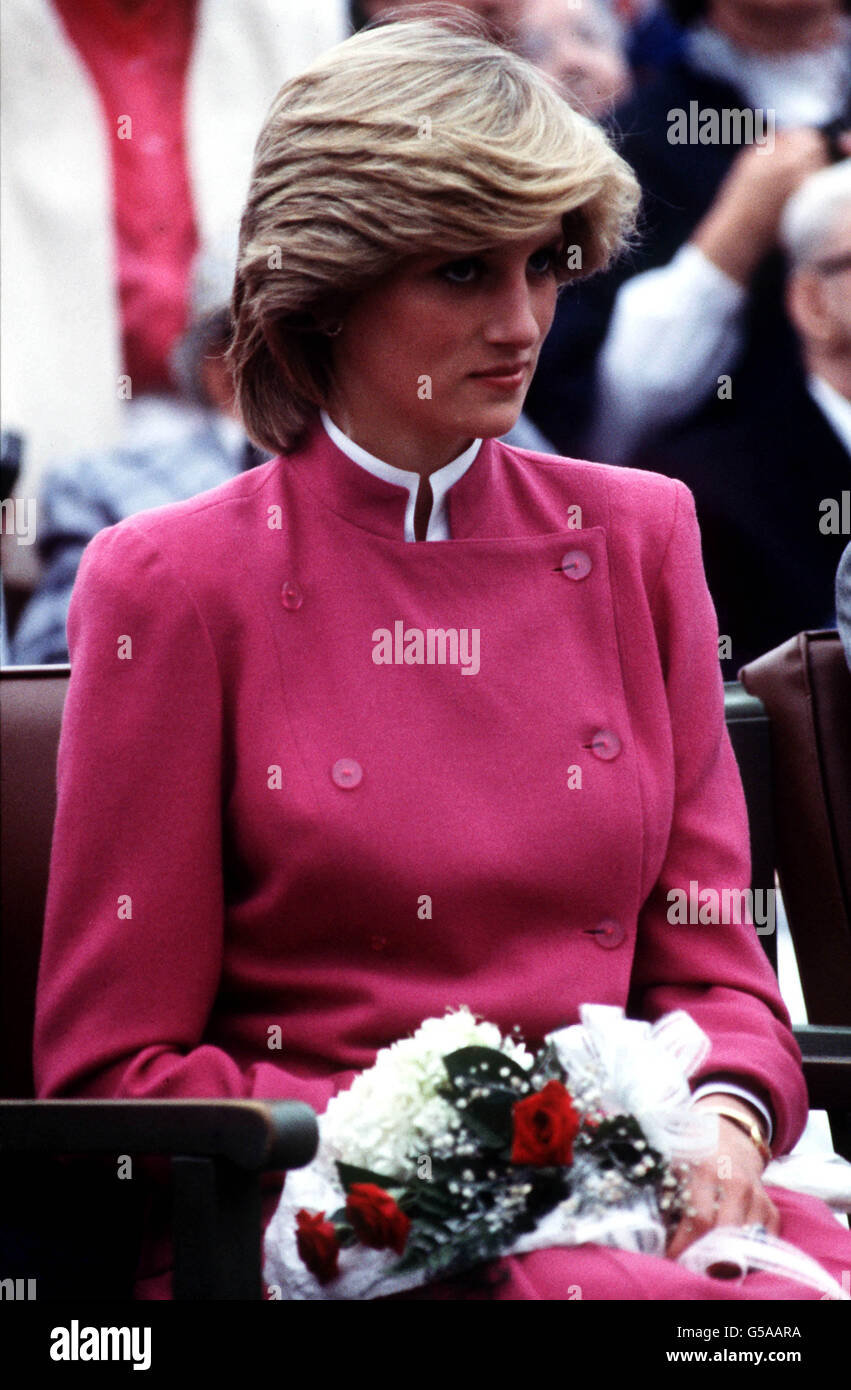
column 410, row 138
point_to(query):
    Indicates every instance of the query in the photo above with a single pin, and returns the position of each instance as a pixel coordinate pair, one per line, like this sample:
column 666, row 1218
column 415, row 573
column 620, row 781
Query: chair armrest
column 253, row 1135
column 219, row 1150
column 826, row 1055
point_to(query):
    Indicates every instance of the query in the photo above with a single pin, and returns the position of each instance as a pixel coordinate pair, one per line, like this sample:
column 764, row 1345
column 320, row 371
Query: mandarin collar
column 377, row 504
column 441, row 480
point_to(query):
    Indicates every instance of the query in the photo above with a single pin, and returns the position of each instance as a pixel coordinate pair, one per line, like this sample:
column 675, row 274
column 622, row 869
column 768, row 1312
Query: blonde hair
column 410, row 137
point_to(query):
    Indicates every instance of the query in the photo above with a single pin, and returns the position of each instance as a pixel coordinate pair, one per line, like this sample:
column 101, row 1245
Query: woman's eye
column 547, row 255
column 461, row 272
column 467, row 270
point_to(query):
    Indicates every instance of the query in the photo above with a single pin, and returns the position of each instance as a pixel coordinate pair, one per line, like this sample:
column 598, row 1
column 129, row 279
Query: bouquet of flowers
column 459, row 1145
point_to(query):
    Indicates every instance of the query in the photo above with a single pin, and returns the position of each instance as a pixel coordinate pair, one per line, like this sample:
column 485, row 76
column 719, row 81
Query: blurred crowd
column 718, row 351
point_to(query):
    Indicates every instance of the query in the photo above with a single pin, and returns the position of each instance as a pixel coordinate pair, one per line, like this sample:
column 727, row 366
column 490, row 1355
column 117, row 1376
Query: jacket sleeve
column 135, row 917
column 717, row 971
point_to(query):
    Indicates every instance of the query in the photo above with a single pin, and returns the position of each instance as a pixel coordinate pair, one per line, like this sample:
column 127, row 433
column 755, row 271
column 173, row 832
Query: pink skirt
column 597, row 1272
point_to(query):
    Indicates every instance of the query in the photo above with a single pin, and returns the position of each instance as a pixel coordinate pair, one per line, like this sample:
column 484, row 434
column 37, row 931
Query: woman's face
column 411, row 361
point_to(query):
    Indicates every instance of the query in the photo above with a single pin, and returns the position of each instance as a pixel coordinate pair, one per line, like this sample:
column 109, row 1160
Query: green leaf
column 488, row 1117
column 436, row 1204
column 467, row 1061
column 495, row 1112
column 482, row 1121
column 433, row 1258
column 350, row 1174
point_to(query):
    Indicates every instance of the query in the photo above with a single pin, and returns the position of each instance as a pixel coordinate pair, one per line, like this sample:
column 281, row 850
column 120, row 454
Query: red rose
column 375, row 1217
column 545, row 1126
column 317, row 1244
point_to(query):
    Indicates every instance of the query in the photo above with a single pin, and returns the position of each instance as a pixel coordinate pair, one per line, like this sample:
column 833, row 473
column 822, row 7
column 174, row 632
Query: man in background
column 773, row 492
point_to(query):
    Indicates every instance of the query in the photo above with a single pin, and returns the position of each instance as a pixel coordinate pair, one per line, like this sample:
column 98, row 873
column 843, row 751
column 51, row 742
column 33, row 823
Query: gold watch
column 749, row 1127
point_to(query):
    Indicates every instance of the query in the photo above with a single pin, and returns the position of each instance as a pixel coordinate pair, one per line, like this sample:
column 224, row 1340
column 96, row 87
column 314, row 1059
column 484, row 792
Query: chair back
column 32, row 699
column 805, row 686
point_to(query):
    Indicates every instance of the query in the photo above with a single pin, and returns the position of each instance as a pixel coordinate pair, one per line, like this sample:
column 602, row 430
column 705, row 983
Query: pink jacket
column 275, row 852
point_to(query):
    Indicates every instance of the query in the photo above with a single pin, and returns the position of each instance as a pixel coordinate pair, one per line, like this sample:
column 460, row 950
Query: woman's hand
column 726, row 1186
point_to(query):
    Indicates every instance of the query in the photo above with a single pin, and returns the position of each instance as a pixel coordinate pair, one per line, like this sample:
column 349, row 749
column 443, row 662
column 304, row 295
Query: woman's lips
column 505, row 381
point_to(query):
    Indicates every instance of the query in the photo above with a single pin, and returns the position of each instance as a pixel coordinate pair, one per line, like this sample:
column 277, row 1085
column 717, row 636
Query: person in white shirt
column 815, row 231
column 676, row 328
column 816, row 234
column 773, row 488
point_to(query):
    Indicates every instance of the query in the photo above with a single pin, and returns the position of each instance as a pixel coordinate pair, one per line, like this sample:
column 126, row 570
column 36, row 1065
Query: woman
column 297, row 833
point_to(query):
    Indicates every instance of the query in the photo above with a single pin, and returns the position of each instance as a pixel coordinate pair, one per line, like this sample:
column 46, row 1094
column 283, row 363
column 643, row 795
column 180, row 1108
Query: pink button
column 605, row 744
column 576, row 564
column 608, row 934
column 346, row 772
column 291, row 595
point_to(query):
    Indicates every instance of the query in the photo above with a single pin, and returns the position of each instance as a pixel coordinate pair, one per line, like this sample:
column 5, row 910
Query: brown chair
column 31, row 702
column 61, row 1222
column 804, row 687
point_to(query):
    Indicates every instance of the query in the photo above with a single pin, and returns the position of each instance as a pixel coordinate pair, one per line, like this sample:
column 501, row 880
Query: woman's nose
column 512, row 317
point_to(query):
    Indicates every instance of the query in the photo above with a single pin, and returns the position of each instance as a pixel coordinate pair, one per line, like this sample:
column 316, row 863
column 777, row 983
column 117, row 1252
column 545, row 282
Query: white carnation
column 392, row 1113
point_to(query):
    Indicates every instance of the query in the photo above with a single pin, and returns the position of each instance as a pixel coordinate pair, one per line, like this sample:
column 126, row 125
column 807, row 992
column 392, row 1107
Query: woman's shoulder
column 629, row 503
column 194, row 535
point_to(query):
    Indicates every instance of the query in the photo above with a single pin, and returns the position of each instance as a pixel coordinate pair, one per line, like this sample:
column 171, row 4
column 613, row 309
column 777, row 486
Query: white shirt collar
column 834, row 406
column 806, row 88
column 441, row 480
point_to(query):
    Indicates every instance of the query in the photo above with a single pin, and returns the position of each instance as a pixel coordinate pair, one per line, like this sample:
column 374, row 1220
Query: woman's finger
column 706, row 1195
column 762, row 1211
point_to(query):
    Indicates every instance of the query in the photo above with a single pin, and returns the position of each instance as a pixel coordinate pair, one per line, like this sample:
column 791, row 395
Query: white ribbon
column 740, row 1250
column 642, row 1069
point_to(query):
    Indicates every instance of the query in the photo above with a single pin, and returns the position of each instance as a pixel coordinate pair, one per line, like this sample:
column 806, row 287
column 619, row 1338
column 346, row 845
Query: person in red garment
column 128, row 128
column 259, row 782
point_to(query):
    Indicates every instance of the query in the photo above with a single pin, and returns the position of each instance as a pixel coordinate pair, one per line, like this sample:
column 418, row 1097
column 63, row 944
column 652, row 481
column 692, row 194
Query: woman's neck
column 409, row 450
